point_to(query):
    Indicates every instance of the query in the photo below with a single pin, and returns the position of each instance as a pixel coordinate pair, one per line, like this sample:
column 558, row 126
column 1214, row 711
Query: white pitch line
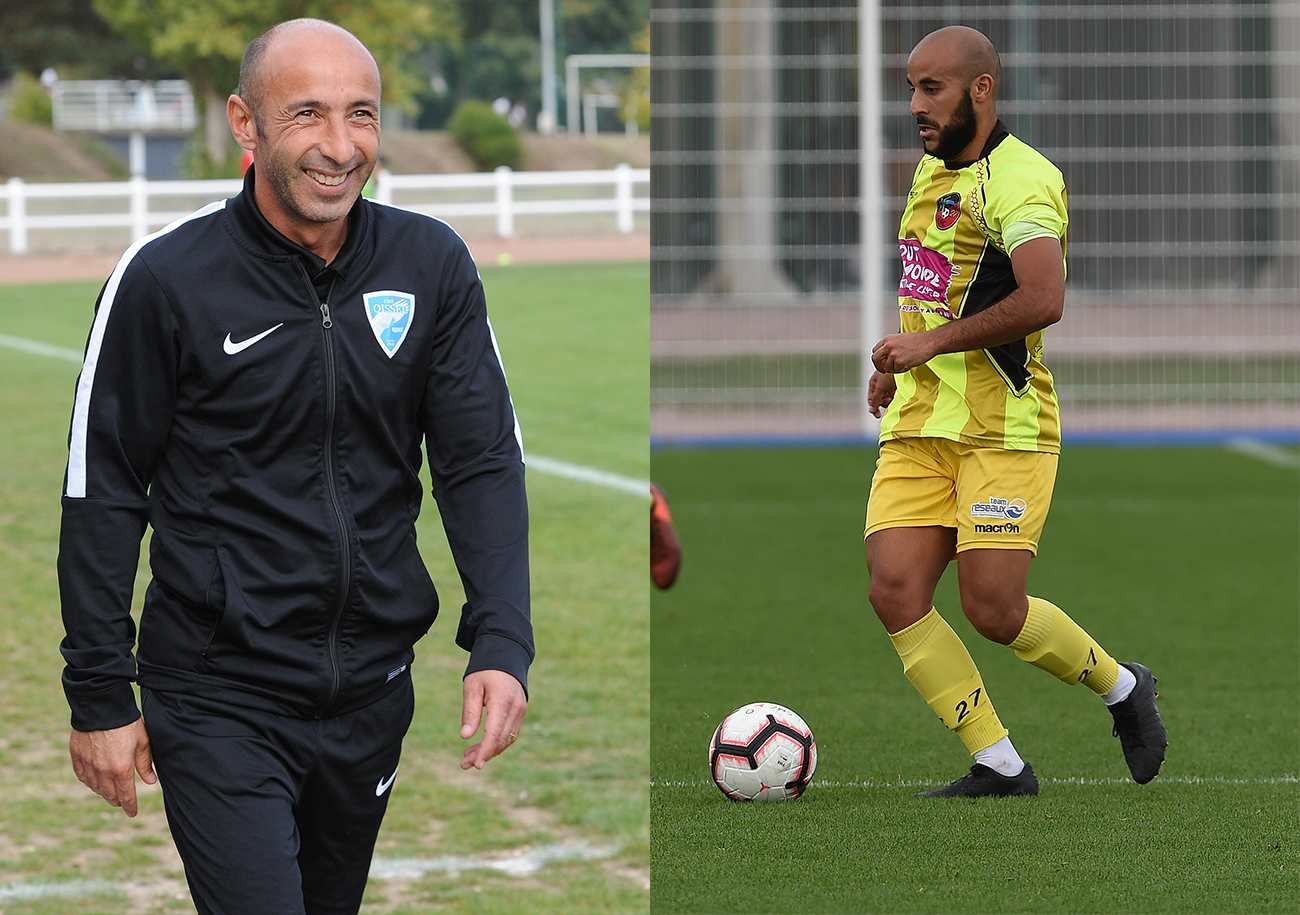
column 21, row 892
column 1067, row 780
column 537, row 462
column 588, row 475
column 37, row 348
column 522, row 864
column 1269, row 454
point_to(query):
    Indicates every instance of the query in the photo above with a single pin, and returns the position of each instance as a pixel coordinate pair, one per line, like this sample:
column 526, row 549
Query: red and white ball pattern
column 762, row 752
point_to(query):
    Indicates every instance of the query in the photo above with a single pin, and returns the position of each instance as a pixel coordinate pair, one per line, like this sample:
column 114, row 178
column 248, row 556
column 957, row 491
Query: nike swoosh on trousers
column 384, row 783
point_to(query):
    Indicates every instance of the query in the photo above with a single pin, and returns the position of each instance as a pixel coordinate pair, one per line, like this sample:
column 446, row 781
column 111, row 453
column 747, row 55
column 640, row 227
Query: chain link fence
column 1177, row 126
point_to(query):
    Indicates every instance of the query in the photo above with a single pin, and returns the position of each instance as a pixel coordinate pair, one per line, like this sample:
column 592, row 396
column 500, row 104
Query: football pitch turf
column 557, row 825
column 1186, row 559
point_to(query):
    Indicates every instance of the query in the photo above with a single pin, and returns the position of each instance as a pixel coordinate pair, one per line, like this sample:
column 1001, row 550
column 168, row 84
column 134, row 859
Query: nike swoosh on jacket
column 231, row 348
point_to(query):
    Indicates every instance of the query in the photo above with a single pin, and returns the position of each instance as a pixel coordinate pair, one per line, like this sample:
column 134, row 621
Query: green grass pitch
column 573, row 341
column 1186, row 559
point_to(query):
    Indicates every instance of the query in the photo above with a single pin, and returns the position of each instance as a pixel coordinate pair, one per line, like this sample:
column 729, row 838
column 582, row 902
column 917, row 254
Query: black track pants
column 273, row 814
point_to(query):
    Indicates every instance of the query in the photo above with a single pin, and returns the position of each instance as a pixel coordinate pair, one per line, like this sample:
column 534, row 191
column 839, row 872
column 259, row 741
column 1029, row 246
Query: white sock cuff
column 1123, row 686
column 1002, row 758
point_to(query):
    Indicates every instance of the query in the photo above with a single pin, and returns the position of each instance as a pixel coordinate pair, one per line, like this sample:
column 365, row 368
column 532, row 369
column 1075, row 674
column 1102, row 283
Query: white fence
column 141, row 206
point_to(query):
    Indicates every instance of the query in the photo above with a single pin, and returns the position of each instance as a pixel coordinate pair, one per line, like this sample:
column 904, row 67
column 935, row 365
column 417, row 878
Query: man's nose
column 337, row 144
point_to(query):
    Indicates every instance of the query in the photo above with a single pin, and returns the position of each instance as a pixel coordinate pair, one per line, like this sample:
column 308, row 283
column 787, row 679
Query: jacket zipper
column 331, row 481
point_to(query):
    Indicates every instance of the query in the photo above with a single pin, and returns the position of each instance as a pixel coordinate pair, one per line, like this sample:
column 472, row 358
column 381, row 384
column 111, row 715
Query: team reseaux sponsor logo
column 1006, row 510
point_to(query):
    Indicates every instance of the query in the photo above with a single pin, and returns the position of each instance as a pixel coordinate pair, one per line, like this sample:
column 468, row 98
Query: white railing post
column 623, row 194
column 505, row 202
column 383, row 185
column 17, row 217
column 139, row 207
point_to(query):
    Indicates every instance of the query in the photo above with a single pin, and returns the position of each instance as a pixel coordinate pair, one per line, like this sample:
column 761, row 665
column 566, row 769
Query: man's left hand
column 496, row 699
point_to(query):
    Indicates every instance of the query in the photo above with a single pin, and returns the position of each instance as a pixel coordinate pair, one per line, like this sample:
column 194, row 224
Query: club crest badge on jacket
column 389, row 313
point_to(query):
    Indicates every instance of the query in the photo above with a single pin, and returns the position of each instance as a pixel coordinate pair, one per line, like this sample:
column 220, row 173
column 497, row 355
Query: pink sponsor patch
column 927, row 274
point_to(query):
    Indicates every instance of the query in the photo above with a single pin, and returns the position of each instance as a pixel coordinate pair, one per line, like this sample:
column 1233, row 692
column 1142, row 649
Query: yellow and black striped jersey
column 960, row 225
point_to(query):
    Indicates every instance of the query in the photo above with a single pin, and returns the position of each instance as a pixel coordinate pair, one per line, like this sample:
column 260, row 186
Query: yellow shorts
column 996, row 499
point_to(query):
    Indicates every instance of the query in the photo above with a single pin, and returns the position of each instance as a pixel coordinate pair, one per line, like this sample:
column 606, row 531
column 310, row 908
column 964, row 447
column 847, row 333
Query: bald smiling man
column 970, row 431
column 260, row 382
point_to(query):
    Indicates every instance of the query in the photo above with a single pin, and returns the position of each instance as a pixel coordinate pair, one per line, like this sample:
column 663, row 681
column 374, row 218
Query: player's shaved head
column 966, row 51
column 253, row 67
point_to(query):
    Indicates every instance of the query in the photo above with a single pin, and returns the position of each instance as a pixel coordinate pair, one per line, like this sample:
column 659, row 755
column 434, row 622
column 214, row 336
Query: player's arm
column 476, row 462
column 123, row 410
column 1038, row 302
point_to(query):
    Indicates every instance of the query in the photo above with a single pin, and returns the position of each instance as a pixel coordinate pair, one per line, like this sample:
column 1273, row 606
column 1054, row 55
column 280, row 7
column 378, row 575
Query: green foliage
column 507, row 66
column 197, row 164
column 71, row 37
column 206, row 41
column 29, row 102
column 636, row 98
column 601, row 24
column 498, row 53
column 486, row 136
column 772, row 605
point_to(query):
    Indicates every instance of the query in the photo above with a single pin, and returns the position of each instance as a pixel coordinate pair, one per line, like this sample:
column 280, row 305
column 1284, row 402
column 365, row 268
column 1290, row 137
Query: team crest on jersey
column 389, row 314
column 947, row 212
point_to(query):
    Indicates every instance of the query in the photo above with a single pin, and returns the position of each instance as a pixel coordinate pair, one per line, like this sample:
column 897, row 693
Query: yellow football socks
column 941, row 669
column 1052, row 641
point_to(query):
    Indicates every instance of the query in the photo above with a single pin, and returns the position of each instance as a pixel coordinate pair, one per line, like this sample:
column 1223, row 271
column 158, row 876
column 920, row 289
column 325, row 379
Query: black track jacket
column 264, row 413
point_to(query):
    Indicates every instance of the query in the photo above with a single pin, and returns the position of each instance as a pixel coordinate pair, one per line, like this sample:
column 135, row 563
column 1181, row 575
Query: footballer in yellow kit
column 971, row 433
column 955, row 239
column 961, row 223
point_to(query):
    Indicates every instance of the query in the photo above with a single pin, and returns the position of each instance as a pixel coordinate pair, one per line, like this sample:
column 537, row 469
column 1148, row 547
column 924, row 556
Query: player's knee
column 994, row 606
column 897, row 601
column 997, row 619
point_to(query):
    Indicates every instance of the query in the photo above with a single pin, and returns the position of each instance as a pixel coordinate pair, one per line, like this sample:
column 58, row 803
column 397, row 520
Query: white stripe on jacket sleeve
column 85, row 383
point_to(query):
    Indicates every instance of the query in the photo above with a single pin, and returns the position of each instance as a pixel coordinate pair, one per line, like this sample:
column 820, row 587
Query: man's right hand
column 107, row 761
column 880, row 392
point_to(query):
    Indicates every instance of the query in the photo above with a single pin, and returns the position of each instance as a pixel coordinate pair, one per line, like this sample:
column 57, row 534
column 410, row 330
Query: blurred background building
column 1176, row 124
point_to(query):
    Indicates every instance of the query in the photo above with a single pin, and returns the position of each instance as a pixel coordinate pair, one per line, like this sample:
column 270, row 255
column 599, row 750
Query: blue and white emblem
column 390, row 314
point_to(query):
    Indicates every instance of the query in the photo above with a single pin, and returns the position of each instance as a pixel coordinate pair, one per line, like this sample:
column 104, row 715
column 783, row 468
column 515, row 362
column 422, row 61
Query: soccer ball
column 762, row 752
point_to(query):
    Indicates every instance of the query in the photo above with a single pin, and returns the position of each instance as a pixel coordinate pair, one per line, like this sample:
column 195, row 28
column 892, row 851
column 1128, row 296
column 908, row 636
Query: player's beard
column 957, row 134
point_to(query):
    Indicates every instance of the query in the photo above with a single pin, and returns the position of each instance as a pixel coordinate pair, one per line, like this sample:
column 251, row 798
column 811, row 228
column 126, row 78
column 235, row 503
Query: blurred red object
column 665, row 548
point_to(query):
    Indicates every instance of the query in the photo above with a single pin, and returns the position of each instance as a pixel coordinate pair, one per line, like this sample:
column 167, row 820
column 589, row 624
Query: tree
column 206, row 41
column 70, row 37
column 601, row 25
column 498, row 52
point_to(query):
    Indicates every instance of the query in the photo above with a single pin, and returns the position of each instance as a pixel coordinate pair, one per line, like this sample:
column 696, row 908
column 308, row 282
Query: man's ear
column 242, row 125
column 982, row 87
